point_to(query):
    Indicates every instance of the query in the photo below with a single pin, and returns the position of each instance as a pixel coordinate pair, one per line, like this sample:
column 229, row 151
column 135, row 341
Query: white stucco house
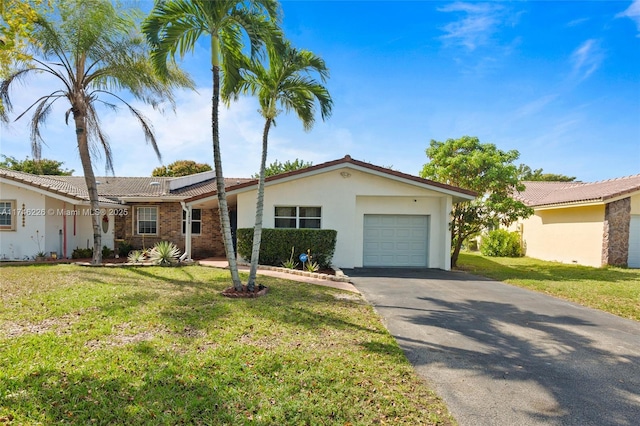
column 46, row 214
column 383, row 218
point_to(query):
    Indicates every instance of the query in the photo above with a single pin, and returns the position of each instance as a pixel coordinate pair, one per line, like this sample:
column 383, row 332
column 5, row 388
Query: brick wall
column 207, row 244
column 615, row 236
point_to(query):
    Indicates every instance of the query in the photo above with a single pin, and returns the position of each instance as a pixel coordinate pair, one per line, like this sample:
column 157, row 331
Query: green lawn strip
column 161, row 346
column 613, row 290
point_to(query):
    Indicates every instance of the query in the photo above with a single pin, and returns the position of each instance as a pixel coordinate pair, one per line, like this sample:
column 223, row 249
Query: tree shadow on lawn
column 543, row 271
column 525, row 350
column 160, row 395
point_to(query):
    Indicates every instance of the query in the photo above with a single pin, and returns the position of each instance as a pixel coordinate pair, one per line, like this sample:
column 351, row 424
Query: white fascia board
column 569, row 205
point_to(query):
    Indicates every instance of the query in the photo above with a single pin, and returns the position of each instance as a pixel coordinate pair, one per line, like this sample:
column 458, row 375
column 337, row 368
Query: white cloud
column 535, row 106
column 586, row 59
column 480, row 22
column 633, row 13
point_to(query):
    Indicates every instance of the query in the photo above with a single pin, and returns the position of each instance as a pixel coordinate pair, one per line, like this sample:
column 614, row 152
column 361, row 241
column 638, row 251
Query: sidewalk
column 340, row 281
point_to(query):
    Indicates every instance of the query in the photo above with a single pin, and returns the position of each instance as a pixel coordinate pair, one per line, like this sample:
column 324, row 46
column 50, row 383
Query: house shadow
column 590, row 383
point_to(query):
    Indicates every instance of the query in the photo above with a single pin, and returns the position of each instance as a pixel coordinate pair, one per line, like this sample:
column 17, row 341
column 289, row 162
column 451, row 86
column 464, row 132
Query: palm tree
column 287, row 83
column 174, row 26
column 89, row 47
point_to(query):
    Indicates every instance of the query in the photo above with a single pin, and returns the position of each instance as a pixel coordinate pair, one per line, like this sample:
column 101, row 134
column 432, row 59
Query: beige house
column 593, row 224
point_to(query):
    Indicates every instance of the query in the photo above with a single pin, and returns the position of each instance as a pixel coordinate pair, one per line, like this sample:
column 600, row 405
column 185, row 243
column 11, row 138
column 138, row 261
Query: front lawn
column 614, row 290
column 141, row 346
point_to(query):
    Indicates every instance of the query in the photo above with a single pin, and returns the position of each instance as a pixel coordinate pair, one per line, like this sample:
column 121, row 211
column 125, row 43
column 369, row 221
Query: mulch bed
column 258, row 291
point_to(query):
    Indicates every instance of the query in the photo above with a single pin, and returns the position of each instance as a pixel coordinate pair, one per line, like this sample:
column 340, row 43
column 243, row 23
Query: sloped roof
column 112, row 189
column 541, row 194
column 345, row 160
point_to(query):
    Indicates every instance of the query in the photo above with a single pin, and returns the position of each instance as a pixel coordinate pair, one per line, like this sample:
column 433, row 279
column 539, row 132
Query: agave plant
column 164, row 253
column 136, row 256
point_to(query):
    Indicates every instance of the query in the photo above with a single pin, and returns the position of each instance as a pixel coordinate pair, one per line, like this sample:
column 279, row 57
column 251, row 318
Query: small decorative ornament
column 105, row 223
column 303, row 257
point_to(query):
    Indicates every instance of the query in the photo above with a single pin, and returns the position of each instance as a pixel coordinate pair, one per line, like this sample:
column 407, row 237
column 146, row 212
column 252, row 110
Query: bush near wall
column 276, row 244
column 501, row 243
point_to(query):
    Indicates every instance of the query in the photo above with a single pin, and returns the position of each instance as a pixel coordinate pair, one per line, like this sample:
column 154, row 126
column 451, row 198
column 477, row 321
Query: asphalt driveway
column 501, row 355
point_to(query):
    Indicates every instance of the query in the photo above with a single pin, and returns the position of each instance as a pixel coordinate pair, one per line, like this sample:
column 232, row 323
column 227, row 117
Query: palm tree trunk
column 90, row 180
column 223, row 208
column 257, row 230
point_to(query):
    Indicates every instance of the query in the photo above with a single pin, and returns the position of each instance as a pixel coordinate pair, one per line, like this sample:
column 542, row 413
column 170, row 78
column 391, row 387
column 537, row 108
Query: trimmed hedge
column 276, row 244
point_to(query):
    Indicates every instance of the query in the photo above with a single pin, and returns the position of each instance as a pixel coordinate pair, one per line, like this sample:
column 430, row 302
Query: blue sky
column 557, row 81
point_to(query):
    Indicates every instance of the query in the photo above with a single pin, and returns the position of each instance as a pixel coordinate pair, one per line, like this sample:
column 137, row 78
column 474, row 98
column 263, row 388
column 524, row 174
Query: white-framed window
column 147, row 220
column 298, row 217
column 196, row 222
column 7, row 215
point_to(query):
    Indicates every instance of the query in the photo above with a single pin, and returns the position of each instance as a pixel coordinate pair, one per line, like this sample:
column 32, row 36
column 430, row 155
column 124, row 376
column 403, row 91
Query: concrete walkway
column 501, row 355
column 304, row 278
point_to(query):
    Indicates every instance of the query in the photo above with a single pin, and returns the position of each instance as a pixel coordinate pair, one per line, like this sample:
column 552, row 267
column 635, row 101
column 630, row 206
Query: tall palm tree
column 287, row 84
column 174, row 26
column 92, row 50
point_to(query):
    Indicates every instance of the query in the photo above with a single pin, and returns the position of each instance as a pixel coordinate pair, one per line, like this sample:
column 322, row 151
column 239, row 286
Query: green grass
column 614, row 290
column 141, row 346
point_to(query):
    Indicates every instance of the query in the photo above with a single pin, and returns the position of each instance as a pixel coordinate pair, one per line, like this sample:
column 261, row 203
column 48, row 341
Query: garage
column 396, row 240
column 634, row 242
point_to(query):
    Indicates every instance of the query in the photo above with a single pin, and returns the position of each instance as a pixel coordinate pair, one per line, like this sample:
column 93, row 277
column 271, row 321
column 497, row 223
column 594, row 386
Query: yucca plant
column 136, row 256
column 164, row 253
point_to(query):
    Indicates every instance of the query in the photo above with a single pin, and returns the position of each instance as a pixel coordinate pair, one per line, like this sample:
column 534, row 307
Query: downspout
column 187, row 233
column 64, row 230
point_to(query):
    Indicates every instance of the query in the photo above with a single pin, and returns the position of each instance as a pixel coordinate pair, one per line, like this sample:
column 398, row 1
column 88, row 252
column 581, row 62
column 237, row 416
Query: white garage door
column 396, row 240
column 634, row 242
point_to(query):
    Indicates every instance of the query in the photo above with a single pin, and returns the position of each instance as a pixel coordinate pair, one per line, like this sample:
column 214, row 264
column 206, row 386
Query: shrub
column 164, row 253
column 79, row 253
column 106, row 252
column 501, row 243
column 275, row 247
column 124, row 248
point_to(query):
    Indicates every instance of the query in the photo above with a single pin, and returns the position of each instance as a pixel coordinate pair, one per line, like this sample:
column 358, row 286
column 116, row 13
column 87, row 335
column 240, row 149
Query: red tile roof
column 539, row 194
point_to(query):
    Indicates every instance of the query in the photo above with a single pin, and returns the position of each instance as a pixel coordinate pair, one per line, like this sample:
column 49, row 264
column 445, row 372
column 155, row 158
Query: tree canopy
column 277, row 167
column 42, row 166
column 526, row 174
column 469, row 164
column 181, row 168
column 92, row 52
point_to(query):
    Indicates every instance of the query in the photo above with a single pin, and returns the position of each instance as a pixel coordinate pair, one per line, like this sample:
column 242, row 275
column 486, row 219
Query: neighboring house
column 52, row 213
column 384, row 218
column 593, row 224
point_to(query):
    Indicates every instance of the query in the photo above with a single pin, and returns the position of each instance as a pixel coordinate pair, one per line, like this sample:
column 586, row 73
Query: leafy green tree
column 467, row 163
column 181, row 168
column 286, row 84
column 277, row 167
column 526, row 174
column 174, row 27
column 42, row 166
column 91, row 49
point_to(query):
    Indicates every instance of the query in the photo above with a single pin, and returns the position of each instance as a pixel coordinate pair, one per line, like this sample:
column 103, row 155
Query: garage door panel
column 396, row 240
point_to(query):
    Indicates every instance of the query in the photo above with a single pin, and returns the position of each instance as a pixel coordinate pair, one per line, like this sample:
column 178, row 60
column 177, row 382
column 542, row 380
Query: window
column 7, row 215
column 298, row 217
column 196, row 222
column 147, row 220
